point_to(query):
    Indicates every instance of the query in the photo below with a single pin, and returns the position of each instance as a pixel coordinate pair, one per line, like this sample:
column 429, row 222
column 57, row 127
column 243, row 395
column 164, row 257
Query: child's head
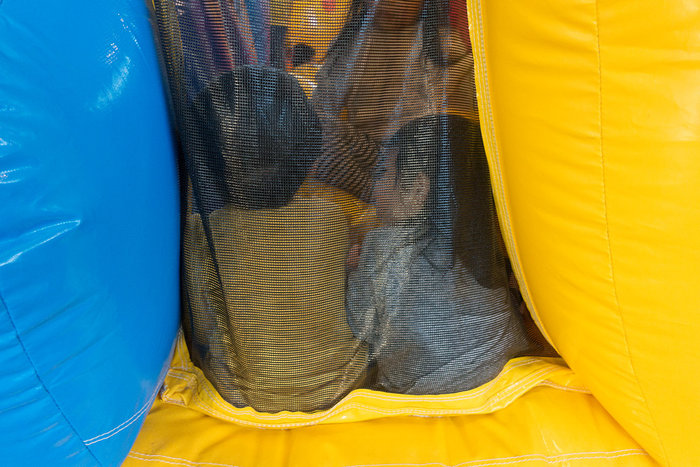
column 406, row 187
column 260, row 130
column 434, row 173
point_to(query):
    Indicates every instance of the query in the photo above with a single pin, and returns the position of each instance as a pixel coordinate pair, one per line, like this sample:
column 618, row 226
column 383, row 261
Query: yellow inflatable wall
column 316, row 23
column 591, row 115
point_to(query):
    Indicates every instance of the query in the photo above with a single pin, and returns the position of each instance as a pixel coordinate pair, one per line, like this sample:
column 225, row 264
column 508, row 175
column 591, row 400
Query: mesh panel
column 340, row 230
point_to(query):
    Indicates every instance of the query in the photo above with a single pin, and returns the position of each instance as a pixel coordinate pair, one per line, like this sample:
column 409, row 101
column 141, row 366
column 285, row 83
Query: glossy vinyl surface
column 535, row 430
column 590, row 115
column 89, row 235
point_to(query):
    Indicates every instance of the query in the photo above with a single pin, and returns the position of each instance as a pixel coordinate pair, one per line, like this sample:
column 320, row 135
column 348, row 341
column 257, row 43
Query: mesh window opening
column 339, row 225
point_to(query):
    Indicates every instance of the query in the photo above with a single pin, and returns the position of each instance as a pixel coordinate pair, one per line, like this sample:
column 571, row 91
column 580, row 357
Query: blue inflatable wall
column 88, row 230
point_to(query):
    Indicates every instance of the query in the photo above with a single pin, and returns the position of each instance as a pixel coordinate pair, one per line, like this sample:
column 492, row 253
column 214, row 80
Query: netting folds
column 340, row 230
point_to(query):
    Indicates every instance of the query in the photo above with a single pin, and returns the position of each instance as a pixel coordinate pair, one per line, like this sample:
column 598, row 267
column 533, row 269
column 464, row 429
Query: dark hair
column 301, row 54
column 256, row 136
column 459, row 209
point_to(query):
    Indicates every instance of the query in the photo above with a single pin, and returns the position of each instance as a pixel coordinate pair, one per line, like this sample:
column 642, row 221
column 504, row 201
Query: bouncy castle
column 350, row 233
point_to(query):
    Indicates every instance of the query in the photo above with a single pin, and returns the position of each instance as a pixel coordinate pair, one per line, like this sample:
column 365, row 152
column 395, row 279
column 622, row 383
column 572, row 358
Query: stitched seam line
column 485, row 407
column 378, row 396
column 41, row 381
column 527, row 458
column 607, row 234
column 493, row 143
column 114, row 431
column 131, row 420
column 381, row 397
column 478, row 463
column 553, row 385
column 172, row 460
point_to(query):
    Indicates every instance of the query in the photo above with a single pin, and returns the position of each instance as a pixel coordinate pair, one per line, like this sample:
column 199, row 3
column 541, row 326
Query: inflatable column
column 88, row 232
column 591, row 115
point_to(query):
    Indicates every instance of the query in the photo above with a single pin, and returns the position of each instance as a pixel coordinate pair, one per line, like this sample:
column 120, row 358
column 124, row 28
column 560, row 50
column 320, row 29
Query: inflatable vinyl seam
column 618, row 308
column 379, row 396
column 490, row 142
column 196, row 392
column 485, row 408
column 140, row 456
column 41, row 381
column 527, row 458
column 560, row 387
column 130, row 421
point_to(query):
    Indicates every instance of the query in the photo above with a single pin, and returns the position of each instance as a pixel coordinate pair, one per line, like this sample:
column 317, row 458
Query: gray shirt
column 431, row 327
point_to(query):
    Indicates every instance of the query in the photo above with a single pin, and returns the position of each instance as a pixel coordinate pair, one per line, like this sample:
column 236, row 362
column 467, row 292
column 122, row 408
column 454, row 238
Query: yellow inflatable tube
column 591, row 115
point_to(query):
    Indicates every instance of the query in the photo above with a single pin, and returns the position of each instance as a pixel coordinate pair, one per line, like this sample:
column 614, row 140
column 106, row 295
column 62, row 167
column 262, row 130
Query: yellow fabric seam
column 199, row 394
column 388, row 397
column 403, row 398
column 618, row 307
column 485, row 407
column 169, row 460
column 550, row 384
column 490, row 142
column 478, row 463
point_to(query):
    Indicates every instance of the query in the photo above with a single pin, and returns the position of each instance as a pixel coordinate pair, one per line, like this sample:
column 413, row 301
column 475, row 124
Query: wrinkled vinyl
column 594, row 135
column 340, row 231
column 89, row 230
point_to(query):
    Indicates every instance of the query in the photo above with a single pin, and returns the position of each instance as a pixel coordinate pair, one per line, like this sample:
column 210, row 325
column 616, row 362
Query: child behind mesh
column 265, row 272
column 430, row 292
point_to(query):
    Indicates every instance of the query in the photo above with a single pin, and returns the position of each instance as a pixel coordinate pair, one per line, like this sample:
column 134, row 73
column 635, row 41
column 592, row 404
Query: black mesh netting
column 340, row 229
